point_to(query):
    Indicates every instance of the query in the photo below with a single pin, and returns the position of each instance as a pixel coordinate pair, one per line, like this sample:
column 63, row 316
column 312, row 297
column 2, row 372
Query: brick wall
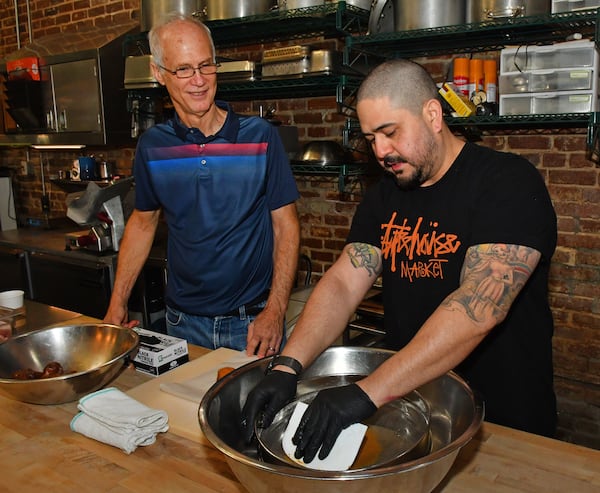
column 326, row 213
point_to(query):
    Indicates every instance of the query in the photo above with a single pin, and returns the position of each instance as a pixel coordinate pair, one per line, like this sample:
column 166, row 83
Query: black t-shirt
column 485, row 197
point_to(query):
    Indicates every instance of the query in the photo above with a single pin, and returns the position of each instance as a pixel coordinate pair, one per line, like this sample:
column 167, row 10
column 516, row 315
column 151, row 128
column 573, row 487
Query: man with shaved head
column 462, row 236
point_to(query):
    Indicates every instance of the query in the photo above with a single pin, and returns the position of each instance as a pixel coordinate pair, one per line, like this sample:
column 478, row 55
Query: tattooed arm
column 491, row 279
column 333, row 301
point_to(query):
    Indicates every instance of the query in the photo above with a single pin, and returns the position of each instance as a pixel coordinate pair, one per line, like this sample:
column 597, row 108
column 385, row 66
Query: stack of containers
column 552, row 79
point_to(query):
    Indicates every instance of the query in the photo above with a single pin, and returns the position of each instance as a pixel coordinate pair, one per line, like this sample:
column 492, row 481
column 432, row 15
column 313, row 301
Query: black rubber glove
column 266, row 399
column 328, row 414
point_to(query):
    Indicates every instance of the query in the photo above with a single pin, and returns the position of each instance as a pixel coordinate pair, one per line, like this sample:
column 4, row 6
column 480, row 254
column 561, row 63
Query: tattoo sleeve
column 363, row 255
column 492, row 276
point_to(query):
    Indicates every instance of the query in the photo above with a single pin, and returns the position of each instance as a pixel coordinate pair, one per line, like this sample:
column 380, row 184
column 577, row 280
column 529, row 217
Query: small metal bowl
column 398, row 431
column 92, row 355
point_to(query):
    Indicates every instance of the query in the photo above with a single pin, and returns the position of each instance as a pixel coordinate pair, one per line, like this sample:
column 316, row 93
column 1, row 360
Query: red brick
column 529, row 142
column 569, row 142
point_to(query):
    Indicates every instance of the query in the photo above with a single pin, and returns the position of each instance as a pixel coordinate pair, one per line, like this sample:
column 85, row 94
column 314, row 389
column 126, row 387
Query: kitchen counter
column 52, row 241
column 40, row 453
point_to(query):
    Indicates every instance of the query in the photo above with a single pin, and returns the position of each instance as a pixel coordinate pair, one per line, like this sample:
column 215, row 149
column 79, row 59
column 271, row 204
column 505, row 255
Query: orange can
column 461, row 75
column 475, row 75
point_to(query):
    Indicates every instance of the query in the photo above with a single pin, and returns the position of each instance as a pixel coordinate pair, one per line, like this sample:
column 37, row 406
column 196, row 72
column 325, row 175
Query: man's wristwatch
column 292, row 363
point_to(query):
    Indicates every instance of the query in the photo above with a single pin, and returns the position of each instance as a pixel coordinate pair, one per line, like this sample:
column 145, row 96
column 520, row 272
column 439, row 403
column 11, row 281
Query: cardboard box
column 159, row 353
column 457, row 100
column 12, row 321
column 23, row 68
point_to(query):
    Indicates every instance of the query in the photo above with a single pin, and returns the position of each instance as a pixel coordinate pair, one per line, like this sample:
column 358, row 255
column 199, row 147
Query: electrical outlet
column 26, row 168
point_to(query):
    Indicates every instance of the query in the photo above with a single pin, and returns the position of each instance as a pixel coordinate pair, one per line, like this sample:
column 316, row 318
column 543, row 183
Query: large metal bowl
column 456, row 415
column 92, row 355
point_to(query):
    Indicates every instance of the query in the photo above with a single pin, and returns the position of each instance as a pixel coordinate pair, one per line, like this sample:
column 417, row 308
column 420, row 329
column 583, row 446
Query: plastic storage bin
column 571, row 54
column 571, row 5
column 548, row 81
column 548, row 103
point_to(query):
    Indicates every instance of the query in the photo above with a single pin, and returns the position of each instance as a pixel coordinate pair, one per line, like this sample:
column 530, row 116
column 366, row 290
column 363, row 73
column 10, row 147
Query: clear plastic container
column 547, row 81
column 571, row 54
column 548, row 103
column 573, row 5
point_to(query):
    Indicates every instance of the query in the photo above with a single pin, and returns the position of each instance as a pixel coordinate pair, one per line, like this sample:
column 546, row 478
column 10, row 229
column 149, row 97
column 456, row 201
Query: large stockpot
column 408, row 14
column 151, row 11
column 300, row 4
column 212, row 10
column 489, row 10
column 456, row 415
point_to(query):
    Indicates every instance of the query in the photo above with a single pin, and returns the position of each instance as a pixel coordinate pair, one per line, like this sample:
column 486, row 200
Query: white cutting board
column 183, row 414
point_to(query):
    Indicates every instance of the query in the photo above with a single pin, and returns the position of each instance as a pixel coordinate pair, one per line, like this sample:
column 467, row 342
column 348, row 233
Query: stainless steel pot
column 408, row 14
column 211, row 10
column 151, row 11
column 298, row 4
column 361, row 4
column 489, row 10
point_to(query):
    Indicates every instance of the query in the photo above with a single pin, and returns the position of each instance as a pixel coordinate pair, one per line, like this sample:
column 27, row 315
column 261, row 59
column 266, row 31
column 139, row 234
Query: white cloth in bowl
column 342, row 455
column 111, row 416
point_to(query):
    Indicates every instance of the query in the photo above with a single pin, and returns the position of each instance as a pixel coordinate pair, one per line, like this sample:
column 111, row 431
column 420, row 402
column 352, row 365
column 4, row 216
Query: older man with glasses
column 225, row 187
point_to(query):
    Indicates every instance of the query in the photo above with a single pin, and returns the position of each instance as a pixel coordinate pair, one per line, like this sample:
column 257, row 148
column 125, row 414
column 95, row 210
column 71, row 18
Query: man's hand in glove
column 266, row 399
column 328, row 414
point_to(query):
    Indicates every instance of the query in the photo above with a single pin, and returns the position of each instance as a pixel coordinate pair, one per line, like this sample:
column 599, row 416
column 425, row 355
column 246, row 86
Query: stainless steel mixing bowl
column 92, row 355
column 456, row 415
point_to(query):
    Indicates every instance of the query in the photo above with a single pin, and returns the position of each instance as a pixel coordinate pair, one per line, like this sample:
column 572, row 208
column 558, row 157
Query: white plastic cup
column 12, row 299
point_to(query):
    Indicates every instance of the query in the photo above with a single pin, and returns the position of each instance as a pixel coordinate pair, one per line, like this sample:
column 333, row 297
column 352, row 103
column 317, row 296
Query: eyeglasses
column 188, row 71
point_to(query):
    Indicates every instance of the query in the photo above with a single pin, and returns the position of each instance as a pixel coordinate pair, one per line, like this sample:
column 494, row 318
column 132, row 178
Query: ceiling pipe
column 29, row 22
column 17, row 25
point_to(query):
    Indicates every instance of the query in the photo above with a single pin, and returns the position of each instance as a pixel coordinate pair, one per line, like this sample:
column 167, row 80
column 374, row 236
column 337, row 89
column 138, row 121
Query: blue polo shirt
column 217, row 194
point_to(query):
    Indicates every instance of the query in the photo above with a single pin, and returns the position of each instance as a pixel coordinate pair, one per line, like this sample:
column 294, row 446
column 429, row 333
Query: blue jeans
column 210, row 332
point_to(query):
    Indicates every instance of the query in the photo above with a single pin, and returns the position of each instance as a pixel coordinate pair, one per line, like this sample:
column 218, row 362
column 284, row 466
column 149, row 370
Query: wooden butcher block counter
column 39, row 453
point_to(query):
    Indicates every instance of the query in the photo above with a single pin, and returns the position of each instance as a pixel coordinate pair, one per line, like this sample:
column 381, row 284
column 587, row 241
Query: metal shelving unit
column 488, row 36
column 299, row 87
column 476, row 37
column 343, row 171
column 328, row 20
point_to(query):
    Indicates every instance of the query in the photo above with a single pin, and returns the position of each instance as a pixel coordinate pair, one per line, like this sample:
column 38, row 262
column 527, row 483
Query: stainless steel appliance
column 79, row 98
column 102, row 210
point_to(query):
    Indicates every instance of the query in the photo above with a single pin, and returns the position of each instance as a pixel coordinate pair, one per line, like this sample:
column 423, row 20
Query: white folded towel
column 112, row 417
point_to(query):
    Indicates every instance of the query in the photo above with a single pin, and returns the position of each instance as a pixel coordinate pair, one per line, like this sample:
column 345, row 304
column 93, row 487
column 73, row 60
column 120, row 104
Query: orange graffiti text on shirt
column 412, row 243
